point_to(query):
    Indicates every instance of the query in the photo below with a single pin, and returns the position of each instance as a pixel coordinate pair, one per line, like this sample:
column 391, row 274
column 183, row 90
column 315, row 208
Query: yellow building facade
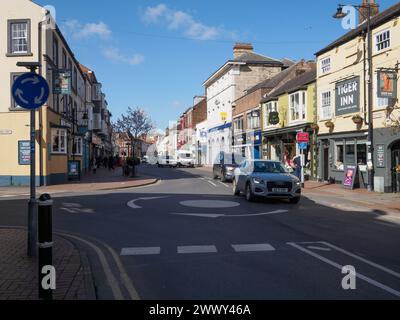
column 342, row 95
column 285, row 112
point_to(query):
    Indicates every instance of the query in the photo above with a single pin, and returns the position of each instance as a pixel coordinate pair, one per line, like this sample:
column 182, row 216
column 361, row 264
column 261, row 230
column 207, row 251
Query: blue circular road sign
column 30, row 91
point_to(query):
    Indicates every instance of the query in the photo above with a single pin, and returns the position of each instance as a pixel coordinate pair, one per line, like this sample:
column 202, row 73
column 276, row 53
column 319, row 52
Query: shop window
column 59, row 141
column 339, row 157
column 362, row 154
column 350, row 154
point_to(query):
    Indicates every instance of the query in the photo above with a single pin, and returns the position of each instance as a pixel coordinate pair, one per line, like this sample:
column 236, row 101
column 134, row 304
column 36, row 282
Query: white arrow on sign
column 132, row 204
column 33, row 80
column 39, row 100
column 214, row 216
column 19, row 93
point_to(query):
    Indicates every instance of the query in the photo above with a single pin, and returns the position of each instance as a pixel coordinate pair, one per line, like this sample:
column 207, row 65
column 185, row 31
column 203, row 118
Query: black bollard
column 45, row 229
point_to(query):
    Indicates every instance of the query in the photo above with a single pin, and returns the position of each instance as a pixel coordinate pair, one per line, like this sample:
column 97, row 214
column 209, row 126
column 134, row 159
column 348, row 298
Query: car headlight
column 258, row 181
column 297, row 183
column 230, row 168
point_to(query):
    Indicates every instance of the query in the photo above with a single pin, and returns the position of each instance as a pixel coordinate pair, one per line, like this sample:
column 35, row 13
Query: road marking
column 127, row 282
column 112, row 281
column 132, row 204
column 210, row 204
column 197, row 249
column 215, row 216
column 209, row 181
column 319, row 248
column 373, row 264
column 253, row 247
column 340, row 267
column 224, row 184
column 141, row 251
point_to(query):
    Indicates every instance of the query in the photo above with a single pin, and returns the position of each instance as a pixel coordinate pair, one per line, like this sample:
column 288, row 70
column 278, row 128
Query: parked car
column 266, row 179
column 225, row 166
column 185, row 160
column 167, row 161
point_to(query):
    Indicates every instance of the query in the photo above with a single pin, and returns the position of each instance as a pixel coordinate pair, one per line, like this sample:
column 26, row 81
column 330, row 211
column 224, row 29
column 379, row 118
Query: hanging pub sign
column 387, row 84
column 348, row 96
column 273, row 118
column 62, row 81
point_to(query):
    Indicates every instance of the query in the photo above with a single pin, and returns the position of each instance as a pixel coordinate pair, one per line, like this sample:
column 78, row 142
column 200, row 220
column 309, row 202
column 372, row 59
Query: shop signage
column 24, row 153
column 224, row 116
column 62, row 81
column 240, row 139
column 348, row 96
column 254, row 138
column 380, row 156
column 303, row 137
column 387, row 84
column 273, row 118
column 350, row 177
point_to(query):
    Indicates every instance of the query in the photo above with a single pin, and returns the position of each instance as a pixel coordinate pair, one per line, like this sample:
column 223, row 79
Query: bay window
column 297, row 106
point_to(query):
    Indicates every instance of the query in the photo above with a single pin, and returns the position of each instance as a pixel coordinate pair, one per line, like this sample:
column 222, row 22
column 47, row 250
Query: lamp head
column 339, row 13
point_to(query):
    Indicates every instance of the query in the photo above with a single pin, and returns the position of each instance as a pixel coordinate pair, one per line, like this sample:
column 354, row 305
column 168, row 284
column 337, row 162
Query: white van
column 185, row 159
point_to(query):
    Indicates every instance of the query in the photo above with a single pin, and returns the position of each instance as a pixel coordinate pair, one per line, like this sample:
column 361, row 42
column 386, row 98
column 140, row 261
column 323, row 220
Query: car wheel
column 295, row 200
column 249, row 193
column 236, row 192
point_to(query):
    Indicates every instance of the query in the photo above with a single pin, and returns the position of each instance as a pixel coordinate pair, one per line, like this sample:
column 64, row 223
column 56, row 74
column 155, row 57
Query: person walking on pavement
column 94, row 165
column 297, row 166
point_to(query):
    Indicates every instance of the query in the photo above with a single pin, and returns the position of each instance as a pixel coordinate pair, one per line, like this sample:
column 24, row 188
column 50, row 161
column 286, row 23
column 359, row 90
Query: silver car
column 266, row 179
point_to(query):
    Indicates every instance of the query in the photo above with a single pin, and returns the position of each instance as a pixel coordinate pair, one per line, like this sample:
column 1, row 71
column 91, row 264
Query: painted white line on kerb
column 373, row 264
column 197, row 249
column 140, row 251
column 253, row 247
column 340, row 267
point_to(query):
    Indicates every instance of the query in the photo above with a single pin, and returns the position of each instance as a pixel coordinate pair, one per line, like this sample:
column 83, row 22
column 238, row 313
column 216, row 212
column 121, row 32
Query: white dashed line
column 197, row 249
column 210, row 182
column 253, row 247
column 141, row 251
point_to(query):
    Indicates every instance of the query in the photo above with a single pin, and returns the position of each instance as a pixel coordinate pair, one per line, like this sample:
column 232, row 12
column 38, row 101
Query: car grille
column 279, row 185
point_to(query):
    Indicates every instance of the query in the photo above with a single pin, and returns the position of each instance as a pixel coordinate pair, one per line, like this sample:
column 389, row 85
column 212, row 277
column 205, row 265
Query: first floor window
column 19, row 40
column 78, row 149
column 297, row 106
column 59, row 141
column 326, row 105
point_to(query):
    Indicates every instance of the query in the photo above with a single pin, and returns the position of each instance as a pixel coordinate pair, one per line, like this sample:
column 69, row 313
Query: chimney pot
column 241, row 48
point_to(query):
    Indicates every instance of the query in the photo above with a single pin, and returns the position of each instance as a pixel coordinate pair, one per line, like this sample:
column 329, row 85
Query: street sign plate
column 303, row 137
column 303, row 145
column 30, row 91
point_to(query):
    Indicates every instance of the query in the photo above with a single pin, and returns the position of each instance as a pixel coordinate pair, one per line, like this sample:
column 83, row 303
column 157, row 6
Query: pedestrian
column 297, row 166
column 94, row 165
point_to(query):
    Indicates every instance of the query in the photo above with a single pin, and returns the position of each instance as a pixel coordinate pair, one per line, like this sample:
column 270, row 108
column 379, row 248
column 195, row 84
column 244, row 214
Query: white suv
column 186, row 160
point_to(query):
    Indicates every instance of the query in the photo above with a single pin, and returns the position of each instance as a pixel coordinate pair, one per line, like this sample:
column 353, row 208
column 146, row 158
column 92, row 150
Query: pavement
column 187, row 237
column 104, row 179
column 19, row 274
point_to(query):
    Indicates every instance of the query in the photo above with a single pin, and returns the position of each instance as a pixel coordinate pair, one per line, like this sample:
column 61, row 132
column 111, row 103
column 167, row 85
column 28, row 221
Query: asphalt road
column 188, row 237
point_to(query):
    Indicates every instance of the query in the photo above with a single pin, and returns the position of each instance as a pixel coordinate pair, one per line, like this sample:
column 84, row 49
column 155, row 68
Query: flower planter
column 357, row 119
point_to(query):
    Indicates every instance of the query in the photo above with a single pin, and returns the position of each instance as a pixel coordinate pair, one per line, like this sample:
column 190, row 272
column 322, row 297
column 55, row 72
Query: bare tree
column 136, row 123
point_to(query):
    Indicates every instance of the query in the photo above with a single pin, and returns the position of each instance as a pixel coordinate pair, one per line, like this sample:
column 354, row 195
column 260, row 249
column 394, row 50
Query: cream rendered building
column 29, row 34
column 343, row 109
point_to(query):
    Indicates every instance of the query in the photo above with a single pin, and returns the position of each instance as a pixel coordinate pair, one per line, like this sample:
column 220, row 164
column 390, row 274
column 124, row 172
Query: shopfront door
column 396, row 167
column 325, row 163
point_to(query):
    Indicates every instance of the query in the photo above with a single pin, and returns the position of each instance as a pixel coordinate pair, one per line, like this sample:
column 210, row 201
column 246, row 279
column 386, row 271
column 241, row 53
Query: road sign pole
column 32, row 207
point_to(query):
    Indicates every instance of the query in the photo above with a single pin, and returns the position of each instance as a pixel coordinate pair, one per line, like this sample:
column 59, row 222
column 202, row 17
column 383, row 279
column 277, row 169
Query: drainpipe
column 41, row 109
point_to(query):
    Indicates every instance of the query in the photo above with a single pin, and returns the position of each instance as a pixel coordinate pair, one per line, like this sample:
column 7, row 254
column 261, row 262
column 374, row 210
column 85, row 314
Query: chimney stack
column 241, row 48
column 364, row 10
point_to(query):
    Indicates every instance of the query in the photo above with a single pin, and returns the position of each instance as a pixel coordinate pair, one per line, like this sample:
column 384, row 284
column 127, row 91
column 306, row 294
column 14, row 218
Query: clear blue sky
column 156, row 54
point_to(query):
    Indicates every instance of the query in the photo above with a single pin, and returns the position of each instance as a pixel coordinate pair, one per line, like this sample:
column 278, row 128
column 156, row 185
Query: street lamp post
column 340, row 15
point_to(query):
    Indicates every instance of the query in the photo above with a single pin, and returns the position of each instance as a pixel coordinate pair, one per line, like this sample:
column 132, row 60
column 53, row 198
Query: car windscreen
column 268, row 167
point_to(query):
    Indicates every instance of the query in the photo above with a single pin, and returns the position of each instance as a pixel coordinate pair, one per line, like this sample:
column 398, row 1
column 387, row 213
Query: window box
column 357, row 119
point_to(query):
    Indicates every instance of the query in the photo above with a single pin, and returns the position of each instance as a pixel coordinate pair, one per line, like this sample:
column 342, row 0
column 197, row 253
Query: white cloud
column 179, row 20
column 78, row 30
column 115, row 55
